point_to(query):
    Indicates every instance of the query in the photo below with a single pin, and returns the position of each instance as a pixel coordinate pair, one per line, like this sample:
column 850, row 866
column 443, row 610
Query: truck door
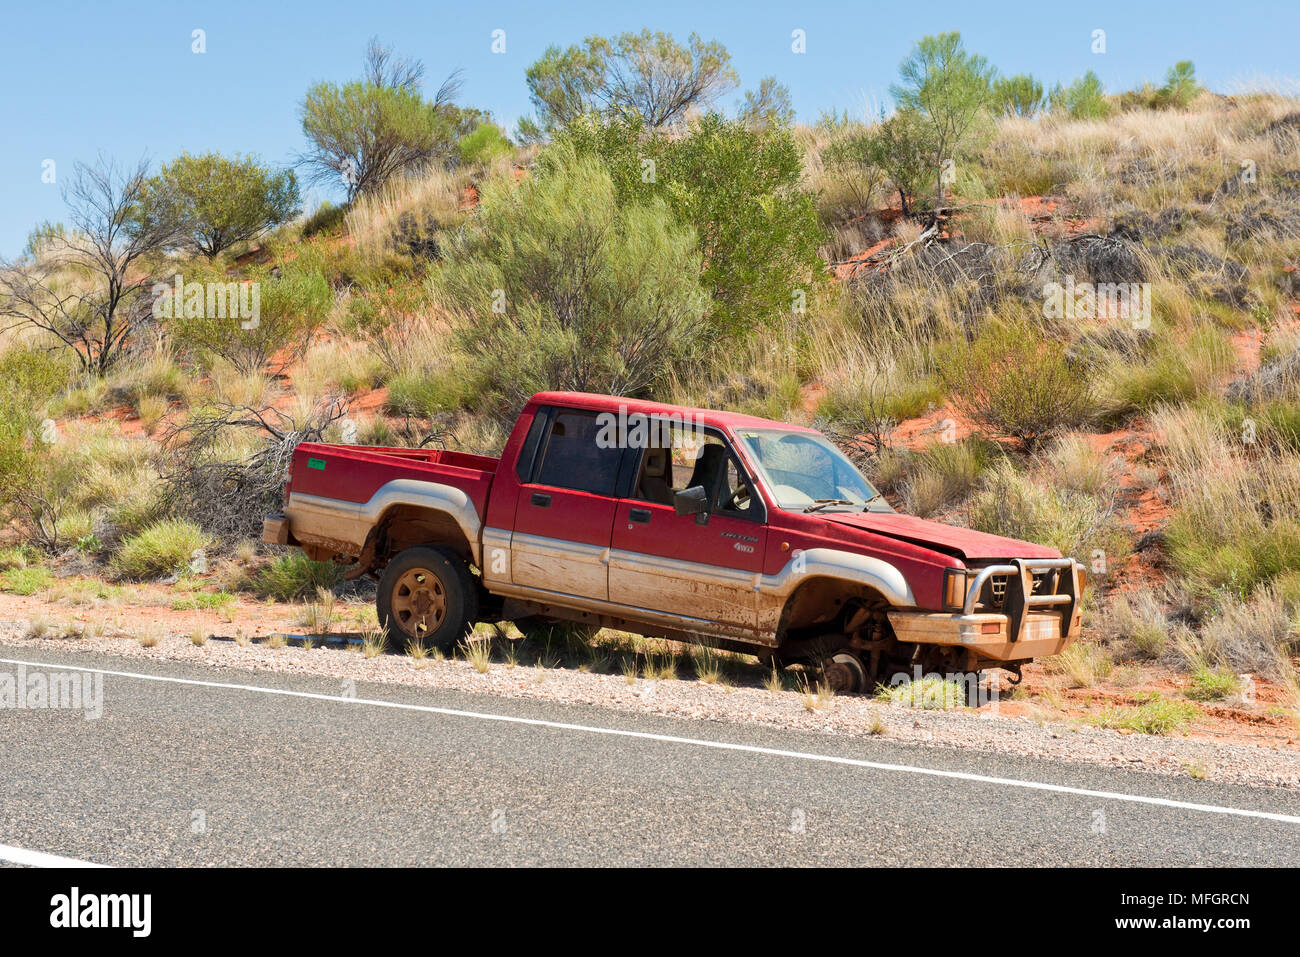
column 565, row 510
column 683, row 564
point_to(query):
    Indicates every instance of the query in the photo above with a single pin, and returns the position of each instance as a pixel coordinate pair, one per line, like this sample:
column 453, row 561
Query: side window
column 694, row 458
column 680, row 459
column 737, row 497
column 572, row 457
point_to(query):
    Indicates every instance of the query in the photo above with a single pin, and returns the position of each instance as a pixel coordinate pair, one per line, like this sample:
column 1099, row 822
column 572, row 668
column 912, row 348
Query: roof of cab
column 611, row 403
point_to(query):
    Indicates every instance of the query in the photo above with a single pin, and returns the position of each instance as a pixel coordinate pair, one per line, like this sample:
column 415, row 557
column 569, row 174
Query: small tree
column 857, row 157
column 652, row 76
column 365, row 132
column 1180, row 86
column 1084, row 99
column 563, row 85
column 904, row 149
column 767, row 107
column 1019, row 95
column 647, row 75
column 90, row 290
column 42, row 237
column 949, row 90
column 214, row 202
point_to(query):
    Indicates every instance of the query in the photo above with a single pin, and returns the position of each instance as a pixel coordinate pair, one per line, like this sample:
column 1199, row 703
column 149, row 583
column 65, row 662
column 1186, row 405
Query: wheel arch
column 816, row 584
column 404, row 525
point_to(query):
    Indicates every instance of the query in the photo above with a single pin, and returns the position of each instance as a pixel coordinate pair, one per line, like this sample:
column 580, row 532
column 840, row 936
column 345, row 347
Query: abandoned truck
column 697, row 526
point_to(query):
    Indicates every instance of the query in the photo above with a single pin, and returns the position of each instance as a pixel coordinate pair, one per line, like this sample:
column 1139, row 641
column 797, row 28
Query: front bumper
column 1041, row 613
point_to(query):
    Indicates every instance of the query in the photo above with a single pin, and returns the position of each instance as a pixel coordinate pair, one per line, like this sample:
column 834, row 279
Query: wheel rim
column 419, row 602
column 845, row 674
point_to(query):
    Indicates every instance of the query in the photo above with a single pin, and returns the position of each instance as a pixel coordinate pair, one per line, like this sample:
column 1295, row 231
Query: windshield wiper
column 821, row 503
column 866, row 506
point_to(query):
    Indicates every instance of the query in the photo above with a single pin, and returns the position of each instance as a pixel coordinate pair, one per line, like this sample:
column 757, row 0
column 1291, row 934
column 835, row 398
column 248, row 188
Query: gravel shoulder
column 994, row 729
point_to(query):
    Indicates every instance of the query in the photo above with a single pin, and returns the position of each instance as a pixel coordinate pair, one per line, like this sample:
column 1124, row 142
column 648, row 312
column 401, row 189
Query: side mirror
column 692, row 501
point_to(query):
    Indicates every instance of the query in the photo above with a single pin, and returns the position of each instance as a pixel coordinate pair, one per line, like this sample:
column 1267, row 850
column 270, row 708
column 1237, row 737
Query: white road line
column 698, row 742
column 18, row 855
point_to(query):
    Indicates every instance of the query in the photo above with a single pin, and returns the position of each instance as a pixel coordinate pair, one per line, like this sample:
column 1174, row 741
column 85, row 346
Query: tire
column 426, row 594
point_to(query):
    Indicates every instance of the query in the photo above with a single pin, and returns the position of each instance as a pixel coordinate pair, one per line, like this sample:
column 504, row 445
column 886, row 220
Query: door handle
column 541, row 500
column 639, row 515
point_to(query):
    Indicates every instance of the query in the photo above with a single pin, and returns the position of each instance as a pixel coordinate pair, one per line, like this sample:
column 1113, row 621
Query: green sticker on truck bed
column 316, row 464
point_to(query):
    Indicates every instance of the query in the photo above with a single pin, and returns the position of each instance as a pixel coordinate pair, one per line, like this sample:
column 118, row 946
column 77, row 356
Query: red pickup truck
column 686, row 524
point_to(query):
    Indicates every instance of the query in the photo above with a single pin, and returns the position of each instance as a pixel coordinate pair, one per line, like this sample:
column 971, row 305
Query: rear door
column 677, row 564
column 560, row 542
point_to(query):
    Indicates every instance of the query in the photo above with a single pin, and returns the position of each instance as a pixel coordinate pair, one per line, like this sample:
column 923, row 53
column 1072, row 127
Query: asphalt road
column 190, row 774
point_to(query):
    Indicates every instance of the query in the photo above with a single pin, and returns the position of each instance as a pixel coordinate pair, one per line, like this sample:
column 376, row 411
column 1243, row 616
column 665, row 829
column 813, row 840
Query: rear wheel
column 426, row 595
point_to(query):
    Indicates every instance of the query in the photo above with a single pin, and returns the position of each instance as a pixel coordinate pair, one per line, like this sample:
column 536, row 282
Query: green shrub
column 1180, row 86
column 1076, row 465
column 295, row 576
column 1015, row 505
column 738, row 189
column 17, row 556
column 1016, row 384
column 1178, row 371
column 1212, row 684
column 1281, row 421
column 26, row 581
column 327, row 218
column 203, row 601
column 1019, row 95
column 556, row 287
column 1234, row 547
column 945, row 474
column 1258, row 634
column 426, row 393
column 854, row 403
column 486, row 143
column 1141, row 620
column 163, row 548
column 291, row 307
column 931, row 692
column 1084, row 99
column 34, row 375
column 1153, row 717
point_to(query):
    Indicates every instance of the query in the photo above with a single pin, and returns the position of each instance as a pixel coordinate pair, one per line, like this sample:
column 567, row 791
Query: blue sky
column 120, row 77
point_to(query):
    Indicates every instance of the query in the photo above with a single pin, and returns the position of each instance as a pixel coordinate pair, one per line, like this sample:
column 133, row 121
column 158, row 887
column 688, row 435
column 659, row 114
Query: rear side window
column 572, row 457
column 528, row 451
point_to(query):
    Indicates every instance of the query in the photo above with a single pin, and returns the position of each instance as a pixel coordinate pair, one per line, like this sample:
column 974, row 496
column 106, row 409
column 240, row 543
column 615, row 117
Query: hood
column 964, row 542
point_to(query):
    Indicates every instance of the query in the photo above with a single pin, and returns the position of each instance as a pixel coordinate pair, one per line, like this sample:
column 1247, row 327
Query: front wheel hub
column 845, row 674
column 419, row 602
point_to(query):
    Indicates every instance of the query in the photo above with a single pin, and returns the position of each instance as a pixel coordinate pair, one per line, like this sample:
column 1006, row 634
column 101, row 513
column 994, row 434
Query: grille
column 998, row 584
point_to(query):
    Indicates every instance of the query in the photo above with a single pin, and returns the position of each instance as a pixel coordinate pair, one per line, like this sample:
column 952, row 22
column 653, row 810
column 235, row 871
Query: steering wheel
column 738, row 501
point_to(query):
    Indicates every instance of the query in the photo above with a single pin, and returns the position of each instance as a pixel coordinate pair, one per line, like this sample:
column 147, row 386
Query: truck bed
column 354, row 473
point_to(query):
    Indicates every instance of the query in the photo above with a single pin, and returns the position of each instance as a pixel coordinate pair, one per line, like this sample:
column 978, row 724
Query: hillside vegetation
column 1066, row 316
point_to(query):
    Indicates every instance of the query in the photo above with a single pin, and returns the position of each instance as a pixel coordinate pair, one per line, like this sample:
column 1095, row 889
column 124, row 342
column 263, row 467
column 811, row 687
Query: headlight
column 954, row 588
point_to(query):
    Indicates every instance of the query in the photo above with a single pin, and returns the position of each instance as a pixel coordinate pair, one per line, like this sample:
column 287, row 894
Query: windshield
column 804, row 470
